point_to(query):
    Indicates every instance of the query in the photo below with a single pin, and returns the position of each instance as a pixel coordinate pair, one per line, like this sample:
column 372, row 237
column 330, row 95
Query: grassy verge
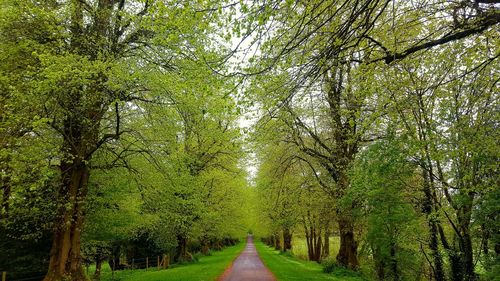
column 207, row 268
column 288, row 268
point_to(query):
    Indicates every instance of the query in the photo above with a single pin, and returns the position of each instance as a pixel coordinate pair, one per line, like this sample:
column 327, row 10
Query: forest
column 358, row 137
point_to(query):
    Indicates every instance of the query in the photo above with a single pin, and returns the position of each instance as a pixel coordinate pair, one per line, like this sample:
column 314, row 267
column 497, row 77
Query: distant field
column 299, row 247
column 208, row 268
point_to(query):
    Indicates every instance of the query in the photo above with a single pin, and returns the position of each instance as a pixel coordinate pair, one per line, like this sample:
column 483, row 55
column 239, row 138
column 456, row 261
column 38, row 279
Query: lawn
column 207, row 268
column 288, row 268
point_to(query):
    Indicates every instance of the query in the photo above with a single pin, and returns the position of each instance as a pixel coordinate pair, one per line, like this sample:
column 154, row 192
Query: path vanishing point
column 247, row 266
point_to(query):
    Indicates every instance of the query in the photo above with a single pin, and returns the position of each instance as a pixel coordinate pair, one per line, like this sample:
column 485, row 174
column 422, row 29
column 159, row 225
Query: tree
column 114, row 214
column 444, row 117
column 384, row 183
column 90, row 62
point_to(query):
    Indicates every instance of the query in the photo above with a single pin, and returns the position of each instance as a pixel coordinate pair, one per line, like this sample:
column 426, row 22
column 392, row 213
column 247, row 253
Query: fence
column 29, row 276
column 161, row 263
column 143, row 263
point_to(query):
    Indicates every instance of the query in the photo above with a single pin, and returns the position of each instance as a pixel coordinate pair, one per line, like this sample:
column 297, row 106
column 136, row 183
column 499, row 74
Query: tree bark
column 4, row 211
column 98, row 266
column 394, row 262
column 379, row 263
column 277, row 241
column 205, row 248
column 348, row 252
column 271, row 241
column 287, row 239
column 433, row 230
column 65, row 258
column 326, row 242
column 464, row 239
column 314, row 243
column 182, row 253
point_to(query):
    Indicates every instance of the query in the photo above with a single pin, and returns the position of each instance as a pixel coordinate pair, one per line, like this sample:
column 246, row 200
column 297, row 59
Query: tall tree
column 444, row 117
column 90, row 62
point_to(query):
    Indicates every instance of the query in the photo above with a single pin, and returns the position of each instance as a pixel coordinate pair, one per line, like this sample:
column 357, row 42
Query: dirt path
column 247, row 266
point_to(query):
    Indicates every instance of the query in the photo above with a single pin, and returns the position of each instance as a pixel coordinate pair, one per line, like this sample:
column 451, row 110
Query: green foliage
column 329, row 264
column 382, row 180
column 207, row 268
column 289, row 268
column 402, row 155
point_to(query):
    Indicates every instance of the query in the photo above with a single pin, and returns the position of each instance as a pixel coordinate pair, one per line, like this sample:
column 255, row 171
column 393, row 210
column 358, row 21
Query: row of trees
column 380, row 116
column 373, row 128
column 116, row 137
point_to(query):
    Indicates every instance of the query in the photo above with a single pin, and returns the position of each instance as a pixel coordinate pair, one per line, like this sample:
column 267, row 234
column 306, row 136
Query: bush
column 196, row 257
column 329, row 264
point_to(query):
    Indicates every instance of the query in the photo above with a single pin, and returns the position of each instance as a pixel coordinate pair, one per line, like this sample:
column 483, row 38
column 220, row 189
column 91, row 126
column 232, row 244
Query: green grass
column 207, row 268
column 286, row 267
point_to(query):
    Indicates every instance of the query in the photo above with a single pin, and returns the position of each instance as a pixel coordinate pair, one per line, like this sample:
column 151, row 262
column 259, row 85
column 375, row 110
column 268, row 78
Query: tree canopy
column 132, row 128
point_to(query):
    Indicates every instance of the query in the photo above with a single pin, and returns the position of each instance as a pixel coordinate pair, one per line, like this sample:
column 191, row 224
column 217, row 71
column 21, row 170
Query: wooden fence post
column 158, row 262
column 133, row 264
column 147, row 263
column 4, row 276
column 113, row 269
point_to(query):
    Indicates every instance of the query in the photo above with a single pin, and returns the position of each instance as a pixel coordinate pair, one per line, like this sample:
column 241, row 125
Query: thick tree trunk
column 348, row 252
column 65, row 258
column 182, row 253
column 287, row 240
column 277, row 241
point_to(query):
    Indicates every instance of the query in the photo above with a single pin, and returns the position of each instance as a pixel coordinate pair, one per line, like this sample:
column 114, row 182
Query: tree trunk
column 485, row 237
column 394, row 262
column 317, row 247
column 182, row 253
column 4, row 211
column 348, row 252
column 313, row 240
column 6, row 189
column 308, row 239
column 326, row 242
column 277, row 241
column 65, row 258
column 379, row 263
column 205, row 246
column 465, row 240
column 98, row 266
column 287, row 239
column 433, row 229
